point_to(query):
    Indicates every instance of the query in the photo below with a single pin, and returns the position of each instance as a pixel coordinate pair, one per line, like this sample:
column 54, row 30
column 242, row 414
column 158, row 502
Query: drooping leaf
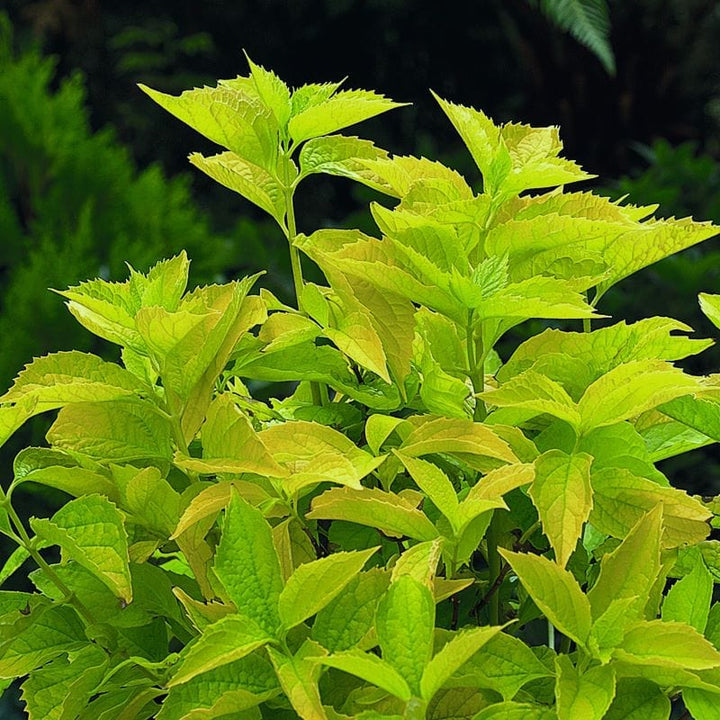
column 298, row 676
column 390, row 513
column 372, row 669
column 562, row 494
column 247, row 565
column 91, row 531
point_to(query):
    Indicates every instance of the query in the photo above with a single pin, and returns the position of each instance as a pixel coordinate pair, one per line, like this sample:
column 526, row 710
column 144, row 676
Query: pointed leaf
column 404, row 622
column 583, row 694
column 372, row 669
column 313, row 585
column 247, row 564
column 638, row 699
column 688, row 600
column 516, row 711
column 562, row 495
column 298, row 677
column 229, row 639
column 555, row 591
column 91, row 531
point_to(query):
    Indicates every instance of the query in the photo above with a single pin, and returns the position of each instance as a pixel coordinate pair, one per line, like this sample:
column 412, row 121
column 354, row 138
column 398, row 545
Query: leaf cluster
column 387, row 541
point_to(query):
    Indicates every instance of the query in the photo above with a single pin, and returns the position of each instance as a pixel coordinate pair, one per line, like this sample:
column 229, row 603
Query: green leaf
column 699, row 413
column 372, row 669
column 638, row 699
column 313, row 585
column 339, row 111
column 91, row 531
column 454, row 436
column 461, row 703
column 688, row 600
column 273, row 92
column 670, row 644
column 583, row 694
column 621, row 499
column 404, row 622
column 347, row 619
column 562, row 495
column 229, row 639
column 227, row 689
column 63, row 687
column 710, row 305
column 45, row 634
column 378, row 429
column 536, row 393
column 390, row 513
column 555, row 591
column 588, row 22
column 340, row 155
column 702, row 704
column 631, row 569
column 230, row 444
column 504, row 665
column 233, row 119
column 420, row 562
column 631, row 389
column 69, row 377
column 516, row 711
column 298, row 676
column 115, row 431
column 453, row 655
column 312, row 453
column 435, row 484
column 247, row 565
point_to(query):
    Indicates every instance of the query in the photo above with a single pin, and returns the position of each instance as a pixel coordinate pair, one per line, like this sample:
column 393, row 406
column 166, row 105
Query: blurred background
column 93, row 174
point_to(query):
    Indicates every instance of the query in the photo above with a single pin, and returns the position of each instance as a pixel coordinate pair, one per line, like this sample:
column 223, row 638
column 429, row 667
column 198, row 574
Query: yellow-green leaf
column 585, row 695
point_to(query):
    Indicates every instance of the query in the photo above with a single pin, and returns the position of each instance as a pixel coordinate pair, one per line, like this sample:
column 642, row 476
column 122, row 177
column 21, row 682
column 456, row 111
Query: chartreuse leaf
column 710, row 305
column 583, row 694
column 378, row 428
column 273, row 92
column 453, row 655
column 69, row 377
column 629, row 572
column 631, row 389
column 562, row 494
column 230, row 638
column 504, row 665
column 62, row 688
column 236, row 120
column 230, row 444
column 435, row 484
column 404, row 622
column 372, row 669
column 555, row 591
column 339, row 111
column 340, row 155
column 621, row 498
column 347, row 619
column 91, row 531
column 298, row 676
column 314, row 584
column 247, row 565
column 227, row 689
column 391, row 513
column 669, row 644
column 114, row 431
column 45, row 634
column 420, row 562
column 313, row 453
column 688, row 600
column 536, row 393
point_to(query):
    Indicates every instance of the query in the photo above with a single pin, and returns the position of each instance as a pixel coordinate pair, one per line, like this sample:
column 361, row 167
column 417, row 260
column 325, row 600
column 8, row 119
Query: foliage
column 387, row 541
column 72, row 205
column 588, row 22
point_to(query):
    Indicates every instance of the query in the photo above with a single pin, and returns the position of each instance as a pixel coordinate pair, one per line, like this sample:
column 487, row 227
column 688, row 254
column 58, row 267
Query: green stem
column 493, row 560
column 54, row 578
column 476, row 368
column 183, row 446
column 529, row 533
column 587, row 327
column 565, row 645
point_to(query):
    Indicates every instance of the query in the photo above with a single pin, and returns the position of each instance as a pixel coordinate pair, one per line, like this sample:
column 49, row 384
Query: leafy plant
column 421, row 530
column 587, row 21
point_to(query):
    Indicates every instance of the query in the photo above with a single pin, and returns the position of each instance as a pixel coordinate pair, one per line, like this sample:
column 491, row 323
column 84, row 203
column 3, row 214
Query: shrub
column 422, row 529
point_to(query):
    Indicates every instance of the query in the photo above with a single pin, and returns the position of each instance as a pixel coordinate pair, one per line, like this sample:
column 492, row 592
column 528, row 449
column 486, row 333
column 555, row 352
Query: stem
column 587, row 327
column 551, row 635
column 493, row 559
column 565, row 645
column 529, row 533
column 54, row 578
column 476, row 369
column 183, row 446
